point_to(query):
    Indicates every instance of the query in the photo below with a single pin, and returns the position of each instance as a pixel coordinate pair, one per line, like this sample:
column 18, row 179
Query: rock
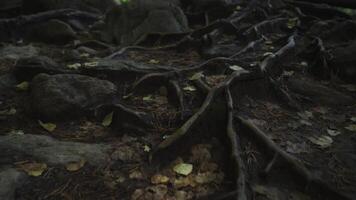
column 7, row 81
column 18, row 52
column 343, row 62
column 53, row 31
column 54, row 152
column 10, row 179
column 318, row 92
column 65, row 95
column 96, row 6
column 27, row 68
column 130, row 23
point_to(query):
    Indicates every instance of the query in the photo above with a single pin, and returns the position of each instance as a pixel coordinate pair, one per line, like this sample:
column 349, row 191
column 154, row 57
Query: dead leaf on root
column 50, row 127
column 33, row 169
column 107, row 119
column 323, row 141
column 159, row 179
column 75, row 166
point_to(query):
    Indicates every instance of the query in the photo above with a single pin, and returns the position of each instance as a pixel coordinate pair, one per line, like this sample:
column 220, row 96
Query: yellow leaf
column 74, row 66
column 75, row 166
column 351, row 127
column 91, row 64
column 33, row 169
column 159, row 179
column 22, row 86
column 183, row 168
column 147, row 98
column 196, row 76
column 153, row 61
column 10, row 111
column 146, row 148
column 50, row 127
column 189, row 88
column 108, row 119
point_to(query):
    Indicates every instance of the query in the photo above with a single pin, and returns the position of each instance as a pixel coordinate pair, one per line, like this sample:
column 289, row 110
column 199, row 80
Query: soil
column 236, row 116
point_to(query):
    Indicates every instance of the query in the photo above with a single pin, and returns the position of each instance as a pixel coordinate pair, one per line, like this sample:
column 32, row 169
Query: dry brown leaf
column 75, row 166
column 159, row 179
column 33, row 169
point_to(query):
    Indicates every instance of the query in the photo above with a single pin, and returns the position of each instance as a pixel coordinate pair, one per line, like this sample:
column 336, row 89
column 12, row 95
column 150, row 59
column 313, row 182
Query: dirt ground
column 262, row 106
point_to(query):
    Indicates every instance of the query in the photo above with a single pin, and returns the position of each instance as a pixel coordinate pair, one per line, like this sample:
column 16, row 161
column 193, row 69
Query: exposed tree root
column 235, row 150
column 312, row 181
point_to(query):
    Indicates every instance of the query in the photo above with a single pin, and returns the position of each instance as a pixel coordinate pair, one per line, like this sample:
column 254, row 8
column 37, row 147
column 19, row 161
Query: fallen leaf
column 184, row 182
column 296, row 147
column 323, row 141
column 190, row 88
column 75, row 166
column 91, row 64
column 84, row 55
column 33, row 169
column 305, row 122
column 10, row 111
column 153, row 61
column 288, row 73
column 267, row 54
column 349, row 87
column 292, row 22
column 147, row 98
column 50, row 127
column 332, row 132
column 196, row 76
column 22, row 86
column 351, row 127
column 236, row 68
column 16, row 132
column 107, row 119
column 304, row 64
column 183, row 168
column 159, row 179
column 74, row 66
column 136, row 174
column 204, row 178
column 146, row 148
column 305, row 115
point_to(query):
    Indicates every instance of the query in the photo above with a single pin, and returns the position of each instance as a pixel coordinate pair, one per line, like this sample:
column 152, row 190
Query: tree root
column 235, row 150
column 295, row 165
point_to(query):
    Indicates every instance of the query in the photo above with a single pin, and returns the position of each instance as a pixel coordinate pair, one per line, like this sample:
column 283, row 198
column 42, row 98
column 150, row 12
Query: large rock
column 18, row 52
column 343, row 62
column 53, row 31
column 10, row 180
column 64, row 95
column 131, row 22
column 52, row 151
column 97, row 6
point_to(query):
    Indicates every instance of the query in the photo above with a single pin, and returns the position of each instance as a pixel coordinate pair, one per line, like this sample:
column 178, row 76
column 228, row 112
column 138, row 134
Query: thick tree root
column 235, row 149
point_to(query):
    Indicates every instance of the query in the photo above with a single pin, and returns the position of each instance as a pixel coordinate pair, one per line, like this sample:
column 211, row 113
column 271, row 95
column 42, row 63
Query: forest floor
column 245, row 116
